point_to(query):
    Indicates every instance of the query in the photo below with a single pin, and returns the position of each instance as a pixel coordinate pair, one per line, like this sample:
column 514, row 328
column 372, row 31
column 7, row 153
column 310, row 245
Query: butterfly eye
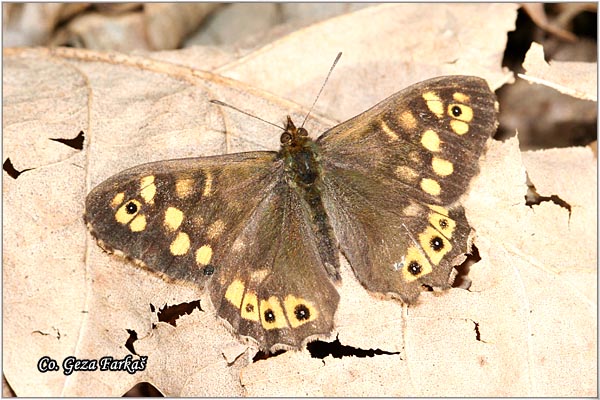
column 285, row 138
column 302, row 132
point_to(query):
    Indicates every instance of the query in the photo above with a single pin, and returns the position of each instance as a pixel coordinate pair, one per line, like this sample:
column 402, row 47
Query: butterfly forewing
column 178, row 216
column 393, row 175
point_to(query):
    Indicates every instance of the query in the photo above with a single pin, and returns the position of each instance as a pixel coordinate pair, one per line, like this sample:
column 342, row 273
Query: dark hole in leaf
column 462, row 279
column 170, row 314
column 76, row 143
column 321, row 349
column 131, row 340
column 10, row 169
column 263, row 355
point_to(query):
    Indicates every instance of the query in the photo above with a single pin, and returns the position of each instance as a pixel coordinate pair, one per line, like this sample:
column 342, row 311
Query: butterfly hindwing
column 274, row 286
column 393, row 175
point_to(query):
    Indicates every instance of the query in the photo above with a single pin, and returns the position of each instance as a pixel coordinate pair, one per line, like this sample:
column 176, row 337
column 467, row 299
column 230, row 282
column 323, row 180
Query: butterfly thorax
column 300, row 155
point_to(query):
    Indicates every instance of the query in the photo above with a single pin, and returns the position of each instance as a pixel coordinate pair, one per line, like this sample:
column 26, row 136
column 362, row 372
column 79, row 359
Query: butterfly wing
column 230, row 223
column 392, row 178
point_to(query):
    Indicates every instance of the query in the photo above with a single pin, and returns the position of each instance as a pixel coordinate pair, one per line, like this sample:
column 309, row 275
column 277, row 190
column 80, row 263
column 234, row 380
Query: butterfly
column 262, row 231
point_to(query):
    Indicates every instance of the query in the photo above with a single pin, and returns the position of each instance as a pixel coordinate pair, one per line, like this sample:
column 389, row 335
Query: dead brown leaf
column 510, row 333
column 577, row 79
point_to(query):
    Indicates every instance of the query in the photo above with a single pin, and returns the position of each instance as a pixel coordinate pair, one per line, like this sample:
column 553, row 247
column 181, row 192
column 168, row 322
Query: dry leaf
column 386, row 48
column 65, row 297
column 577, row 79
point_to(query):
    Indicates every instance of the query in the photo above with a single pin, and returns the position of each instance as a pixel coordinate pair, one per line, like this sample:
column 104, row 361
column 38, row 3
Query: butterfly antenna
column 322, row 87
column 220, row 103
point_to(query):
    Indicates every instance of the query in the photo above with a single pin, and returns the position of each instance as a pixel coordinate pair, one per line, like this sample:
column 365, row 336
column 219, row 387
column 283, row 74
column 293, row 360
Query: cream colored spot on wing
column 388, row 131
column 299, row 311
column 215, row 229
column 271, row 314
column 412, row 210
column 439, row 209
column 459, row 127
column 461, row 97
column 407, row 120
column 138, row 224
column 122, row 216
column 235, row 293
column 148, row 189
column 184, row 187
column 406, row 174
column 434, row 103
column 415, row 264
column 430, row 186
column 250, row 307
column 466, row 112
column 434, row 245
column 208, row 185
column 203, row 255
column 431, row 141
column 442, row 167
column 441, row 222
column 414, row 157
column 259, row 275
column 180, row 245
column 117, row 200
column 173, row 218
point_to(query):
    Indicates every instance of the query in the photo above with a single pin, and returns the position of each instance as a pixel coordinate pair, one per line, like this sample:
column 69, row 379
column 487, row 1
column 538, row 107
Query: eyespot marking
column 299, row 311
column 460, row 112
column 203, row 255
column 415, row 264
column 180, row 245
column 430, row 186
column 442, row 167
column 271, row 314
column 235, row 293
column 250, row 307
column 127, row 211
column 434, row 245
column 173, row 218
column 440, row 220
column 431, row 141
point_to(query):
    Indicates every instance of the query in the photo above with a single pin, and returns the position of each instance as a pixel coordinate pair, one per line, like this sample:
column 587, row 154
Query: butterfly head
column 293, row 137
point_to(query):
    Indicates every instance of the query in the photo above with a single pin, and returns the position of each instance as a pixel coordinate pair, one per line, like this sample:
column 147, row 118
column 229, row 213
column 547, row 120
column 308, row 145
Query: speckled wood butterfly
column 262, row 230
